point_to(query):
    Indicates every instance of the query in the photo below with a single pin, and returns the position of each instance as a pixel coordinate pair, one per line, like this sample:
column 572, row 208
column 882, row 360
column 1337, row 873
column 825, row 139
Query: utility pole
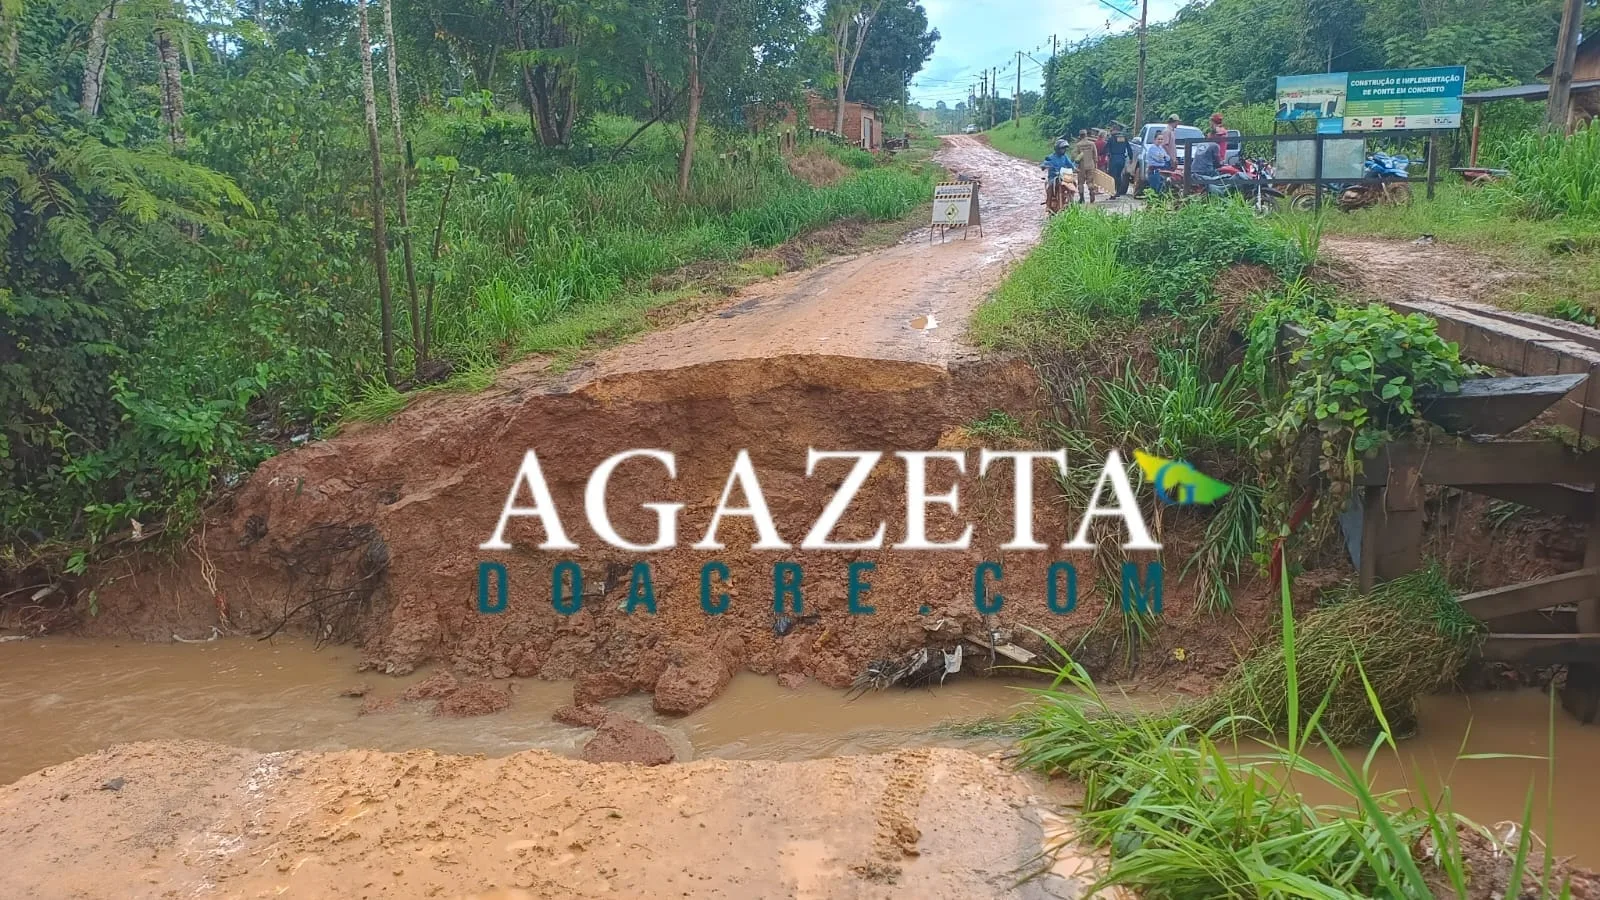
column 1016, row 99
column 994, row 92
column 1566, row 57
column 1138, row 89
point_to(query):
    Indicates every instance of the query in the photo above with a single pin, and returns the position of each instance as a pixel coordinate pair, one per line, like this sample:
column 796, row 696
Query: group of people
column 1088, row 156
column 1112, row 152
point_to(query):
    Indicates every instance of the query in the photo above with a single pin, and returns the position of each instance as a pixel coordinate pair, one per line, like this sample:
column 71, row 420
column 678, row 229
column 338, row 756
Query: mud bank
column 192, row 819
column 374, row 537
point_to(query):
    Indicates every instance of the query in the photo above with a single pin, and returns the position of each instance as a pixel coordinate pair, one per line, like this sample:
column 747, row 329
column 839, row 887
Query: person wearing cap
column 1167, row 140
column 1087, row 157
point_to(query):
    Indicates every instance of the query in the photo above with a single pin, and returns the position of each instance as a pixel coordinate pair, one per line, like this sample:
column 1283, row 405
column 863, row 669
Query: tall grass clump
column 1556, row 175
column 1406, row 638
column 1186, row 811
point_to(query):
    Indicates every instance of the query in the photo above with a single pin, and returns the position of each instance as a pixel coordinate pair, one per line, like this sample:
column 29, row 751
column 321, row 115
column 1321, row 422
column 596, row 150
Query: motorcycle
column 1392, row 190
column 1251, row 179
column 1059, row 191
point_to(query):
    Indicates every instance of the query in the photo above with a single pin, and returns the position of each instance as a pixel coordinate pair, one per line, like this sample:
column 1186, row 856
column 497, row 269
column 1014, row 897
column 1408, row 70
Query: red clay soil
column 379, row 532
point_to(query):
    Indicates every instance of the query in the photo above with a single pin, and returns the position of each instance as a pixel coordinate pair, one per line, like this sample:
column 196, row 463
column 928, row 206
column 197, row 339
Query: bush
column 1555, row 175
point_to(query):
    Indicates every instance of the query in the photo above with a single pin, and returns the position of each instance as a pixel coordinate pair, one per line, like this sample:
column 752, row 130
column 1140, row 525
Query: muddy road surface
column 910, row 302
column 189, row 819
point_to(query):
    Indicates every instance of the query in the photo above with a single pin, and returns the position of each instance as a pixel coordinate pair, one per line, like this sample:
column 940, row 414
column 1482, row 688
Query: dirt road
column 186, row 819
column 910, row 302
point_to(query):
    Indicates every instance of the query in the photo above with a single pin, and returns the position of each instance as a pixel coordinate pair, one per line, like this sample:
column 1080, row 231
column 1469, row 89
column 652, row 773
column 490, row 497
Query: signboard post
column 955, row 205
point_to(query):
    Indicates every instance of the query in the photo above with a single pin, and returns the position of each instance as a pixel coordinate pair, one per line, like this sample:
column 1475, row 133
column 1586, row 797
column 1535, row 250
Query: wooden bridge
column 1555, row 373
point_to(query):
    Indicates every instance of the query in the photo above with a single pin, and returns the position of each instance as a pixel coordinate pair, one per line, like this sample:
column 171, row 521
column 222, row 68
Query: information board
column 1387, row 100
column 1404, row 99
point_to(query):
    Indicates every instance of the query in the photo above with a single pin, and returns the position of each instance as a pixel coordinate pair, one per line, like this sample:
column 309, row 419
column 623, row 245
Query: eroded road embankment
column 373, row 537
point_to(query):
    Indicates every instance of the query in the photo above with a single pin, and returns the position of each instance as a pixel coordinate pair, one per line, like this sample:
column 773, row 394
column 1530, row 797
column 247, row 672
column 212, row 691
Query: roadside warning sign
column 955, row 205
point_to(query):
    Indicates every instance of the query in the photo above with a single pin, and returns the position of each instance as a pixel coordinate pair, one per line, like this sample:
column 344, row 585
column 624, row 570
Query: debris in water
column 919, row 667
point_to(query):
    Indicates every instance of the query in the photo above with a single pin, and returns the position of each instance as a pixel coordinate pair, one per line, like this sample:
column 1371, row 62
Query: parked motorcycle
column 1393, row 190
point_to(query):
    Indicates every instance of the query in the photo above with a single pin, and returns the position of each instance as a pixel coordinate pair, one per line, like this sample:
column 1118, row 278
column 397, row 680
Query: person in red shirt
column 1100, row 150
column 1220, row 133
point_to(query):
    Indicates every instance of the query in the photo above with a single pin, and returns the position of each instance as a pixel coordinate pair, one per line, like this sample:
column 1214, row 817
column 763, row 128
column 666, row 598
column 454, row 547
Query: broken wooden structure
column 1540, row 622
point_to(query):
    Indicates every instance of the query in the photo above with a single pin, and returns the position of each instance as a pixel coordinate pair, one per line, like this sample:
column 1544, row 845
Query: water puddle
column 62, row 698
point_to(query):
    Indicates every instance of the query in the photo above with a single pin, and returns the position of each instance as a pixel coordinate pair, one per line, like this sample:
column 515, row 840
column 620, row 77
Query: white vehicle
column 1147, row 138
column 970, row 129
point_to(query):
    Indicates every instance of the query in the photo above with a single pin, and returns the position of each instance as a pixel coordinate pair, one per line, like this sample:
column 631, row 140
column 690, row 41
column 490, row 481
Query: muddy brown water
column 61, row 698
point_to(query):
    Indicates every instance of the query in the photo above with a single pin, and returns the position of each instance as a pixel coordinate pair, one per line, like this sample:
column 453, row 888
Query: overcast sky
column 978, row 34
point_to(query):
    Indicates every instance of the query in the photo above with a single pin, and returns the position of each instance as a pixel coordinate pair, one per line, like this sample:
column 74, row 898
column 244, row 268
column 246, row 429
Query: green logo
column 1177, row 483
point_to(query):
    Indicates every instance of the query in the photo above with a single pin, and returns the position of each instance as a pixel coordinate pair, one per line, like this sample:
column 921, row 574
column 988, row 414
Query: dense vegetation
column 190, row 204
column 1229, row 53
column 1134, row 326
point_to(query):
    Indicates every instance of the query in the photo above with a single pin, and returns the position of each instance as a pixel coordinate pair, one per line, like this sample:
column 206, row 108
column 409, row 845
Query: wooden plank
column 1009, row 651
column 1541, row 593
column 1566, row 500
column 1548, row 621
column 1542, row 649
column 1464, row 463
column 1496, row 405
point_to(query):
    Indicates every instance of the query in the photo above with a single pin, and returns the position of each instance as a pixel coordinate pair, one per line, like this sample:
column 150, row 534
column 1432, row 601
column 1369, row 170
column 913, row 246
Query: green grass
column 1185, row 811
column 1021, row 139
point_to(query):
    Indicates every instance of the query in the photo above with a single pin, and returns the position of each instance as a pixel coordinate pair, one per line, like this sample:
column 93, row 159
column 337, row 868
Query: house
column 1585, row 81
column 1585, row 93
column 862, row 126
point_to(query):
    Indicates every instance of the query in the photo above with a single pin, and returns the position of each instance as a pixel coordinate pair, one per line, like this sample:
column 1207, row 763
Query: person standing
column 1219, row 133
column 1087, row 158
column 1117, row 159
column 1167, row 140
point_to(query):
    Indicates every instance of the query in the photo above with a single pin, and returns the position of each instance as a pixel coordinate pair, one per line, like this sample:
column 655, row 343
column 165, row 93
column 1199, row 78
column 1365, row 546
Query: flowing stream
column 62, row 697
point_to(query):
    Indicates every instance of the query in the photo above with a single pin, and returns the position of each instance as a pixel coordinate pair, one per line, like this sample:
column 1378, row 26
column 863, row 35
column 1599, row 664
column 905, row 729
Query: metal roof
column 1524, row 92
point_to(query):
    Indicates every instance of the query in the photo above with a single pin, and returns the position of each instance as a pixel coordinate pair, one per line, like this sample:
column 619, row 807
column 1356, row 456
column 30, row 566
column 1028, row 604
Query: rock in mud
column 690, row 682
column 475, row 699
column 792, row 680
column 621, row 739
column 599, row 687
column 434, row 686
column 584, row 716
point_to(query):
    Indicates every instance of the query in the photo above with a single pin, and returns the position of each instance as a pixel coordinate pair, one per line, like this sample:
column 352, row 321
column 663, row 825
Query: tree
column 895, row 50
column 847, row 23
column 171, row 76
column 95, row 58
column 380, row 237
column 695, row 87
column 391, row 53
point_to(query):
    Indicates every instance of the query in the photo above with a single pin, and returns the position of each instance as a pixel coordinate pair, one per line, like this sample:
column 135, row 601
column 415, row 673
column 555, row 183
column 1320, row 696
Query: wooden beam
column 1541, row 593
column 1568, row 501
column 1496, row 405
column 1542, row 649
column 1463, row 463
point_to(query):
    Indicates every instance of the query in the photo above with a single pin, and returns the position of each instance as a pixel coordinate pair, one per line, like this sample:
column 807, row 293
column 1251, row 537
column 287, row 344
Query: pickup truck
column 1147, row 136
